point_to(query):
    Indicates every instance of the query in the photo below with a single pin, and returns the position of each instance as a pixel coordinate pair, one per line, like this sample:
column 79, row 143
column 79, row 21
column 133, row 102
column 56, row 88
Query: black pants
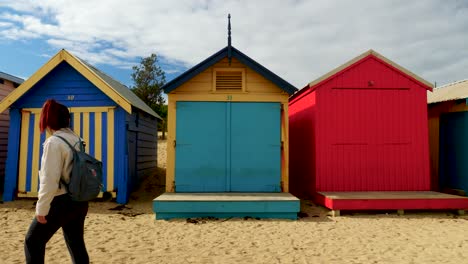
column 68, row 215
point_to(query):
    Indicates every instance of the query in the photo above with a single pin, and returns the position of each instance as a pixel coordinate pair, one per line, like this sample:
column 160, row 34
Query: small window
column 229, row 80
column 2, row 81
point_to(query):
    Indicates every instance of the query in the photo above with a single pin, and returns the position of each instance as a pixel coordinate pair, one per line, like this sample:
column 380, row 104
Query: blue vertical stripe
column 30, row 152
column 120, row 175
column 104, row 150
column 92, row 132
column 71, row 120
column 41, row 150
column 81, row 124
column 11, row 170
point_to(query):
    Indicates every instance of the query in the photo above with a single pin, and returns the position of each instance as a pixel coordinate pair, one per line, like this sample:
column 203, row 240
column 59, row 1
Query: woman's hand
column 41, row 219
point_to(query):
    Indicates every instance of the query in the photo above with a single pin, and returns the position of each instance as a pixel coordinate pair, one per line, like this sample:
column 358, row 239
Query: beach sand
column 130, row 234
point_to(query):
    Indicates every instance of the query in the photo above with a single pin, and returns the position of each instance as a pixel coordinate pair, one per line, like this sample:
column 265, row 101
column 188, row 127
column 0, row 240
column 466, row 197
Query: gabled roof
column 118, row 92
column 11, row 78
column 235, row 53
column 452, row 91
column 368, row 53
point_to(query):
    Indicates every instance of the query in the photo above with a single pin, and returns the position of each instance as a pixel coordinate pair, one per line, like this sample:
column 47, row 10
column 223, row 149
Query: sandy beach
column 130, row 234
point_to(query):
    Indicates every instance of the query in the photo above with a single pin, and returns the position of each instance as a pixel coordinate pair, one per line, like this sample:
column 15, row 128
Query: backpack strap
column 73, row 150
column 64, row 140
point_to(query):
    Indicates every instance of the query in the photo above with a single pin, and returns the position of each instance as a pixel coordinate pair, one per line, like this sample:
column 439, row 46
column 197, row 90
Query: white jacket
column 56, row 163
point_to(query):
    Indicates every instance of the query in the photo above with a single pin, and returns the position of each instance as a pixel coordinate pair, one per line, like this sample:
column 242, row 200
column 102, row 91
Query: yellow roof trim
column 96, row 80
column 25, row 86
column 362, row 56
column 64, row 55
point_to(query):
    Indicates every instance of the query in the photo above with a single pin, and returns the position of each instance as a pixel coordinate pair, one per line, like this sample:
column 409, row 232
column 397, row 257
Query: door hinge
column 174, row 144
column 173, row 186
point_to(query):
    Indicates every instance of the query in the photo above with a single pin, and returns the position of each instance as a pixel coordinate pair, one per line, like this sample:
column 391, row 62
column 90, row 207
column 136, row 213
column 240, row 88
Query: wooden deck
column 408, row 200
column 226, row 205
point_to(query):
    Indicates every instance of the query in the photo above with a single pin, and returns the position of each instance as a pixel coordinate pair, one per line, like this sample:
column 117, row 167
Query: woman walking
column 54, row 208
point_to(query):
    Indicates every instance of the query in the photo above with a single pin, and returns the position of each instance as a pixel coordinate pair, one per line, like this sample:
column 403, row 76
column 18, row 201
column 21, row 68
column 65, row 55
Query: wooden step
column 404, row 200
column 226, row 205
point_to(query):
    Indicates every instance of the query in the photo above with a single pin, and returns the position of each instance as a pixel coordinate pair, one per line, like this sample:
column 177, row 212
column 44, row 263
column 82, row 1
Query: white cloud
column 173, row 71
column 6, row 24
column 18, row 34
column 298, row 40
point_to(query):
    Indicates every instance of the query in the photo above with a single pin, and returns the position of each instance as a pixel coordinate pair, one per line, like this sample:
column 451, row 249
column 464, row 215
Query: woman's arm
column 49, row 177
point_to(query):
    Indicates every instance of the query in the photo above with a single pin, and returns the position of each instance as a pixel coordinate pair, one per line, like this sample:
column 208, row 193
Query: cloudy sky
column 298, row 40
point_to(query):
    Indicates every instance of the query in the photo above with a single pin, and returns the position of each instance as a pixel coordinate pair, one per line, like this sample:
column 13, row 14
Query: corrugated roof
column 122, row 89
column 11, row 78
column 452, row 91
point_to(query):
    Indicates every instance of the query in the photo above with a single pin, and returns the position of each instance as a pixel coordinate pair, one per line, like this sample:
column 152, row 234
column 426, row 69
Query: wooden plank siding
column 64, row 84
column 203, row 82
column 145, row 128
column 370, row 130
column 5, row 88
column 367, row 131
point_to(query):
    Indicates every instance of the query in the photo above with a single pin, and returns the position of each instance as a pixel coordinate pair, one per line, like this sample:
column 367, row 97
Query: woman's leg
column 36, row 239
column 73, row 232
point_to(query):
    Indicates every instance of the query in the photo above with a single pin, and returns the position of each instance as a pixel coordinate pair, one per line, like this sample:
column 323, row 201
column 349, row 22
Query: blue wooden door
column 228, row 147
column 200, row 164
column 453, row 169
column 255, row 147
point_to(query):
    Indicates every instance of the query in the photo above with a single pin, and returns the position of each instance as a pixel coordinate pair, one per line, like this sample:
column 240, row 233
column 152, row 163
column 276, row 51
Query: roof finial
column 229, row 39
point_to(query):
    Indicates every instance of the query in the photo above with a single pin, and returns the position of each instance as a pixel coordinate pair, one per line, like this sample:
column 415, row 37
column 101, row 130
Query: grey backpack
column 86, row 175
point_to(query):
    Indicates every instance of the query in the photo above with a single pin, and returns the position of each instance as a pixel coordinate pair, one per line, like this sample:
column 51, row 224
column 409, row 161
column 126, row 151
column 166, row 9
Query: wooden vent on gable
column 229, row 80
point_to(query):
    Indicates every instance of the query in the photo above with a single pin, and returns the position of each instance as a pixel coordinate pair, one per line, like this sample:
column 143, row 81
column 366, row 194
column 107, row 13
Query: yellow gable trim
column 362, row 56
column 64, row 55
column 24, row 87
column 97, row 81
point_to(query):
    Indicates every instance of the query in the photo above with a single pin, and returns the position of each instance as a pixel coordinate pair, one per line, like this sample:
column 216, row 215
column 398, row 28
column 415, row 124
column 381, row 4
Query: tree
column 148, row 78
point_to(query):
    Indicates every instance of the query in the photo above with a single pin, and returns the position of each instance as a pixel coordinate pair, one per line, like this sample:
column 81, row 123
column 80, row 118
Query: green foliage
column 148, row 78
column 163, row 113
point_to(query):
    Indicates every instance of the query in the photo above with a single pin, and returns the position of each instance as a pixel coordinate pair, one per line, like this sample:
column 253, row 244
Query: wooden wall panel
column 203, row 82
column 145, row 127
column 6, row 88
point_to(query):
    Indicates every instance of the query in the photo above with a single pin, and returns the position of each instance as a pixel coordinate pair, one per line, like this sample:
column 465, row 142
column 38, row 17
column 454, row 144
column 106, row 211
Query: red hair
column 54, row 115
